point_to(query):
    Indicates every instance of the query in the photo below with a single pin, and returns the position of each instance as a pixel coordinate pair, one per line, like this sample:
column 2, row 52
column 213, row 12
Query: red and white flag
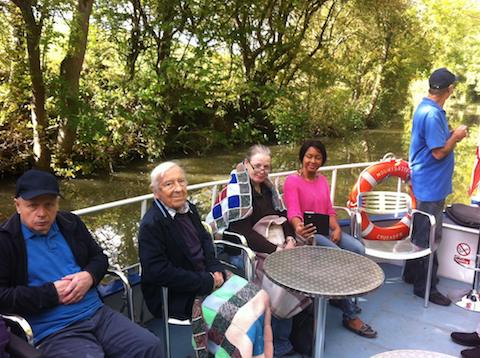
column 475, row 174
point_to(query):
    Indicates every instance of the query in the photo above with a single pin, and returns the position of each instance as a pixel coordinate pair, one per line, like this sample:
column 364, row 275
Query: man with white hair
column 175, row 250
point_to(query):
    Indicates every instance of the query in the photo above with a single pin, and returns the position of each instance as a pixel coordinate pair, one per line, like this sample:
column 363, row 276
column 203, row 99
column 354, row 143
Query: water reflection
column 116, row 229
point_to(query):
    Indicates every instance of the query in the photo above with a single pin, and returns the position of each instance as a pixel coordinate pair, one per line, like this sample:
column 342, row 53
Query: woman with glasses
column 247, row 206
column 264, row 201
column 308, row 191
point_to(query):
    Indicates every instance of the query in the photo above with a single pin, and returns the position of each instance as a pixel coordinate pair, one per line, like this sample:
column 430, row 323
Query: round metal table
column 321, row 273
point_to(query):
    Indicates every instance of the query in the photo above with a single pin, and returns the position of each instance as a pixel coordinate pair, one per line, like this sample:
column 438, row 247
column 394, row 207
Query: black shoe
column 466, row 339
column 471, row 353
column 437, row 298
column 411, row 280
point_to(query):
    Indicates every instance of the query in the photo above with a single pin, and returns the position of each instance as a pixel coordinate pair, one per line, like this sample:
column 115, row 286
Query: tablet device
column 321, row 222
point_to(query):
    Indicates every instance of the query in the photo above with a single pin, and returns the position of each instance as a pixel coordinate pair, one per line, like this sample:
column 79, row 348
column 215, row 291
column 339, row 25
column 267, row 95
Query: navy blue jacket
column 166, row 261
column 15, row 296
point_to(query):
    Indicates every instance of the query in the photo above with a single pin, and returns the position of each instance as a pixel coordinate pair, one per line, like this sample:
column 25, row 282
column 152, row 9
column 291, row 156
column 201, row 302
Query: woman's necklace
column 304, row 176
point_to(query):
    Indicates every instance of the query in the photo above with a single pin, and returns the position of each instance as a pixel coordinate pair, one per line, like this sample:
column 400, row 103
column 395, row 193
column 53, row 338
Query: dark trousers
column 418, row 268
column 4, row 339
column 107, row 333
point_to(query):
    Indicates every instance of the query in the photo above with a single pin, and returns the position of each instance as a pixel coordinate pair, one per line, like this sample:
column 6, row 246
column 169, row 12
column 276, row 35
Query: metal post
column 214, row 196
column 333, row 186
column 143, row 209
column 165, row 319
column 319, row 336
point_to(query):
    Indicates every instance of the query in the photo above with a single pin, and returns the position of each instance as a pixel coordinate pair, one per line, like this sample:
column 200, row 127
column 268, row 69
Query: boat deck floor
column 399, row 317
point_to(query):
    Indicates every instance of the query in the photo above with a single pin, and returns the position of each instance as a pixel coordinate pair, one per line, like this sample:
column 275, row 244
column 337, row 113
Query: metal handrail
column 214, row 188
column 143, row 199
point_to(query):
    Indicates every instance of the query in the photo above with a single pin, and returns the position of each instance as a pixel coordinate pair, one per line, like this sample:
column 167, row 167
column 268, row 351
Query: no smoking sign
column 463, row 249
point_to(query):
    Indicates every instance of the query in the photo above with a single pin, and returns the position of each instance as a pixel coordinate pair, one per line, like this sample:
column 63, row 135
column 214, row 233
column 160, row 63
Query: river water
column 116, row 229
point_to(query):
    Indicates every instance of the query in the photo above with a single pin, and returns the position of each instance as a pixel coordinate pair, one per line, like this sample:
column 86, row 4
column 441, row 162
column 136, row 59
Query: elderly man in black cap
column 431, row 161
column 49, row 267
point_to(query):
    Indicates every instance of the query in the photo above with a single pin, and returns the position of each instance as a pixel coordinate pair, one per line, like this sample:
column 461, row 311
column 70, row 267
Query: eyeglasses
column 171, row 184
column 259, row 167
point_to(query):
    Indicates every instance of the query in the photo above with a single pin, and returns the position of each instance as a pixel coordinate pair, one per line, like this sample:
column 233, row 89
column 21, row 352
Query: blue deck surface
column 399, row 317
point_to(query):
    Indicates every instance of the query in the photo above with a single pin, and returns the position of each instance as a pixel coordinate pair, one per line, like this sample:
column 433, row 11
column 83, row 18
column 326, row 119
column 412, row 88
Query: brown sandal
column 365, row 330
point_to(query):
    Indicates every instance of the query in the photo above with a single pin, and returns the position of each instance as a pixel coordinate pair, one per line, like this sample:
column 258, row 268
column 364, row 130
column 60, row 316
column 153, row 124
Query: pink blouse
column 301, row 195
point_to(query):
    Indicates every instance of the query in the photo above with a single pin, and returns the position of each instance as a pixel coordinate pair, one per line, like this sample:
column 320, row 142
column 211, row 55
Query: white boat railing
column 215, row 185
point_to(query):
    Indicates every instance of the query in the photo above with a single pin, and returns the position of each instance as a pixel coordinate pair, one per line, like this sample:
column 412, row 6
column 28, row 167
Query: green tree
column 15, row 89
column 69, row 78
column 453, row 27
column 39, row 19
column 268, row 38
column 361, row 78
column 34, row 15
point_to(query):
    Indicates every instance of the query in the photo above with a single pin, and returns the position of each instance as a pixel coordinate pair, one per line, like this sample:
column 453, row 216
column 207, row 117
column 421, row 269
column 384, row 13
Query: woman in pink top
column 308, row 190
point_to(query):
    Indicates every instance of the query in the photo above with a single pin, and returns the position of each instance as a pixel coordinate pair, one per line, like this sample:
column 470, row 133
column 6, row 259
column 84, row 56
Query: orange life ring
column 370, row 177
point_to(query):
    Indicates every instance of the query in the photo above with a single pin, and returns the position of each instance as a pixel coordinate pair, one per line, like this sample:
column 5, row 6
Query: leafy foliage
column 185, row 76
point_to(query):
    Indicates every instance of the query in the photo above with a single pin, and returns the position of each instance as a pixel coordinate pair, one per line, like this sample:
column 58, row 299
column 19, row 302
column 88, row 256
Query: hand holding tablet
column 320, row 221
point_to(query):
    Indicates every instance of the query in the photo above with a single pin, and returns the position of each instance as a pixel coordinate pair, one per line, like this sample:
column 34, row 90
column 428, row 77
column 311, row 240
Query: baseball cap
column 36, row 182
column 441, row 78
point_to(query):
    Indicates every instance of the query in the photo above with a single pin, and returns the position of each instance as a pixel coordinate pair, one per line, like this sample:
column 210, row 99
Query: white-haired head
column 159, row 171
column 258, row 149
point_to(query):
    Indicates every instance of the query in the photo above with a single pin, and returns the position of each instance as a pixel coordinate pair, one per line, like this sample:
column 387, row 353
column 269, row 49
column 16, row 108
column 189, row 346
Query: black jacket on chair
column 166, row 262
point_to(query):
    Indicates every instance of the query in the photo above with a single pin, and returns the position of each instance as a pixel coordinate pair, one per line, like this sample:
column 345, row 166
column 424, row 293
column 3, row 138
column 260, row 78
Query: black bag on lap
column 464, row 215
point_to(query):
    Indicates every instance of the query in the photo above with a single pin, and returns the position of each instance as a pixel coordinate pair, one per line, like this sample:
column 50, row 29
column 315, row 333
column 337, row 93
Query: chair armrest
column 433, row 224
column 249, row 254
column 350, row 213
column 22, row 324
column 242, row 239
column 343, row 208
column 356, row 223
column 249, row 258
column 127, row 289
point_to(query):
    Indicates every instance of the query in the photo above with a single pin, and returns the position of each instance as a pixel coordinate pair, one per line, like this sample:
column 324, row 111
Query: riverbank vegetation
column 86, row 85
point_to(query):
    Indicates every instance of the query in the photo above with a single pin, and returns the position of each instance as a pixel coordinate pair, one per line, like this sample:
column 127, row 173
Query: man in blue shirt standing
column 49, row 268
column 431, row 162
